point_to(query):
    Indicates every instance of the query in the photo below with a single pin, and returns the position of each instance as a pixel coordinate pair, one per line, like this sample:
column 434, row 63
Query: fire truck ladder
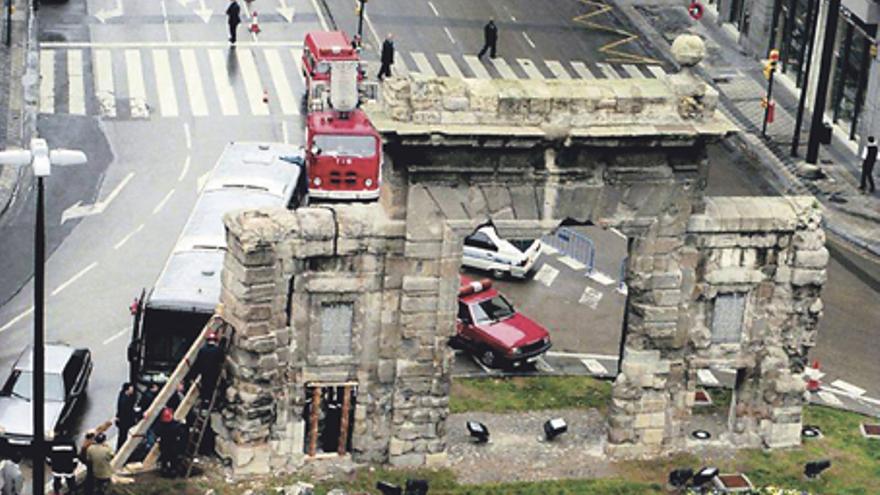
column 203, row 419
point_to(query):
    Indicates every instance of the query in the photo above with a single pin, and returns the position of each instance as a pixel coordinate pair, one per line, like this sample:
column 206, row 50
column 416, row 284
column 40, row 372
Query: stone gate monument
column 343, row 312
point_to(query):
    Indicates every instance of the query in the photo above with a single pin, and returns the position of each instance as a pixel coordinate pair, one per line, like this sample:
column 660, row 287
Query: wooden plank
column 343, row 429
column 313, row 421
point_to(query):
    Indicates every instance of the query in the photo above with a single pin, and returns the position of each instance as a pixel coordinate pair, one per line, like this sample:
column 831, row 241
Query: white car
column 486, row 250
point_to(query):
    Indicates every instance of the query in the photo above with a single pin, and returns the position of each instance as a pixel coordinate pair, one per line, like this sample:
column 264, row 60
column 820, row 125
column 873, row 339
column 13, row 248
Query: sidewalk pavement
column 739, row 79
column 17, row 112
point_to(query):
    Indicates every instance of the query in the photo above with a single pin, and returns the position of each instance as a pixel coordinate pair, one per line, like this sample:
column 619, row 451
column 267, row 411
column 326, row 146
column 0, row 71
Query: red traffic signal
column 774, row 55
column 695, row 9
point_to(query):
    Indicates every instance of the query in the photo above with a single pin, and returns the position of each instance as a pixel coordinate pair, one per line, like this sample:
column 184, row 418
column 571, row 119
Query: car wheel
column 488, row 358
column 499, row 274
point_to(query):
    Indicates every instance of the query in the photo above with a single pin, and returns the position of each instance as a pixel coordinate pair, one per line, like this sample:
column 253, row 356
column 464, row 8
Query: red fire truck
column 343, row 149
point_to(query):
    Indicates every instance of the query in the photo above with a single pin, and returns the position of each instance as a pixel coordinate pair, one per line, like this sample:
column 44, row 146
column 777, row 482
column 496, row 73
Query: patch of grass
column 720, row 402
column 499, row 395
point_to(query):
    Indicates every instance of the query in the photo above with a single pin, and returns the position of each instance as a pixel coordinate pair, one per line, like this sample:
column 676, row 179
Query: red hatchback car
column 489, row 327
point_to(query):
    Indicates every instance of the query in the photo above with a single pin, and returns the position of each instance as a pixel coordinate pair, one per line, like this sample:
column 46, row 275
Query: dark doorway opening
column 329, row 418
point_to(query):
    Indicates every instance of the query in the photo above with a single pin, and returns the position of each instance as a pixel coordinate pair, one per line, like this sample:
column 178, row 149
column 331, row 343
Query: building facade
column 789, row 25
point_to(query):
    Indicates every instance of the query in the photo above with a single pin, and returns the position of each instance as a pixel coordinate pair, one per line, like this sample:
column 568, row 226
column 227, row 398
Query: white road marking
column 15, row 320
column 286, row 99
column 165, row 83
column 372, row 29
column 187, row 136
column 74, row 278
column 530, row 68
column 165, row 21
column 449, row 35
column 542, row 365
column 433, row 9
column 582, row 70
column 608, row 71
column 557, row 69
column 399, row 68
column 546, row 274
column 449, row 65
column 657, row 70
column 706, row 377
column 116, row 335
column 633, row 71
column 601, row 278
column 184, row 170
column 76, row 83
column 320, row 15
column 829, row 398
column 161, row 204
column 594, row 367
column 164, row 44
column 104, row 90
column 503, row 69
column 202, row 180
column 548, row 249
column 252, row 84
column 528, row 40
column 79, row 210
column 47, row 81
column 137, row 94
column 477, row 67
column 423, row 64
column 194, row 88
column 572, row 263
column 590, row 297
column 284, row 136
column 225, row 94
column 575, row 355
column 849, row 388
column 127, row 237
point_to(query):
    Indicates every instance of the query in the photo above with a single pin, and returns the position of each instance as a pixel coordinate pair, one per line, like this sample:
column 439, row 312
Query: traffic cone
column 265, row 95
column 813, row 383
column 255, row 23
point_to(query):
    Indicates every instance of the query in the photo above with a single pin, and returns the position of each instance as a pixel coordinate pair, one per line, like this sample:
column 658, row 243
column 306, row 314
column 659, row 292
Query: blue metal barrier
column 574, row 245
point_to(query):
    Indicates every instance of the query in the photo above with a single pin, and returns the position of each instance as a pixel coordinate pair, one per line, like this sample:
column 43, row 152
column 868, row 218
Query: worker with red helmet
column 172, row 435
column 208, row 364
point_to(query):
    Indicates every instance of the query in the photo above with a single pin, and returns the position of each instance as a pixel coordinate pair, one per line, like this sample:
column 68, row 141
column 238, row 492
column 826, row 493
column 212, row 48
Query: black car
column 67, row 373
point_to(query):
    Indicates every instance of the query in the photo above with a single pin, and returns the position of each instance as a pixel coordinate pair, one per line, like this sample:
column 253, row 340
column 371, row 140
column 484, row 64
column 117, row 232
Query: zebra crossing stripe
column 422, row 64
column 399, row 68
column 582, row 71
column 530, row 68
column 450, row 66
column 476, row 66
column 136, row 92
column 296, row 53
column 252, row 84
column 608, row 71
column 194, row 87
column 633, row 71
column 502, row 68
column 282, row 87
column 557, row 69
column 47, row 81
column 657, row 70
column 165, row 83
column 105, row 92
column 75, row 83
column 225, row 94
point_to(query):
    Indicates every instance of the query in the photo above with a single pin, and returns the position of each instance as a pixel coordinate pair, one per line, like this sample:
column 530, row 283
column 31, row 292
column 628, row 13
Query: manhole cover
column 811, row 432
column 701, row 435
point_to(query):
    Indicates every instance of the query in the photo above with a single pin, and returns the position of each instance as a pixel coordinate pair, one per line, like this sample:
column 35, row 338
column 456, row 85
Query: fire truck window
column 493, row 309
column 353, row 146
column 322, row 68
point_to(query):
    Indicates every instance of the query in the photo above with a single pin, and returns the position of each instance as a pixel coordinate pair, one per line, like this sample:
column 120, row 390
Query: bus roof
column 190, row 280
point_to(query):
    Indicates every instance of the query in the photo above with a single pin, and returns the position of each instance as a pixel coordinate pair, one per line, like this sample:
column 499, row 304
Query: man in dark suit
column 387, row 57
column 490, row 37
column 869, row 158
column 233, row 18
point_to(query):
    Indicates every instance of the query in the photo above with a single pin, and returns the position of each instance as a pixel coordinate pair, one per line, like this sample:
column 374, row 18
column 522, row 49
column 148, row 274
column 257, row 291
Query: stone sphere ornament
column 688, row 50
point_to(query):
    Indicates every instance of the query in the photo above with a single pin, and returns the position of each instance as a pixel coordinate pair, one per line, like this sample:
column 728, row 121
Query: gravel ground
column 517, row 449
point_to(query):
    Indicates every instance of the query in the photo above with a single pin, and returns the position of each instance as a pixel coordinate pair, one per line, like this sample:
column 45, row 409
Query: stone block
column 666, row 280
column 805, row 276
column 420, row 284
column 652, row 436
column 408, row 460
column 811, row 259
column 424, row 250
column 650, row 420
column 416, row 304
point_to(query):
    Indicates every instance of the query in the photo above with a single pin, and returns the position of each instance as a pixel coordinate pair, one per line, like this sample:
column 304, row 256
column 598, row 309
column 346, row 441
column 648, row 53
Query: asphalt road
column 152, row 93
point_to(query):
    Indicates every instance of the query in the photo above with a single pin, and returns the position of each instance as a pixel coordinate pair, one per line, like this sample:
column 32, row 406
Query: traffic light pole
column 769, row 100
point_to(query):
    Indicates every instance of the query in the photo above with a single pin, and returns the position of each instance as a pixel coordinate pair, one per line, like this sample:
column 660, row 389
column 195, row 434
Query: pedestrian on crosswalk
column 387, row 57
column 233, row 17
column 490, row 38
column 869, row 158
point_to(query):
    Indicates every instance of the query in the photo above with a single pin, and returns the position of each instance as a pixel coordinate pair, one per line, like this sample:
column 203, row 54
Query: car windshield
column 494, row 309
column 341, row 145
column 23, row 387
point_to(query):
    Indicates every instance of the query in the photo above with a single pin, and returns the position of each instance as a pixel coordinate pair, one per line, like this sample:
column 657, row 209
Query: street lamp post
column 361, row 5
column 41, row 159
